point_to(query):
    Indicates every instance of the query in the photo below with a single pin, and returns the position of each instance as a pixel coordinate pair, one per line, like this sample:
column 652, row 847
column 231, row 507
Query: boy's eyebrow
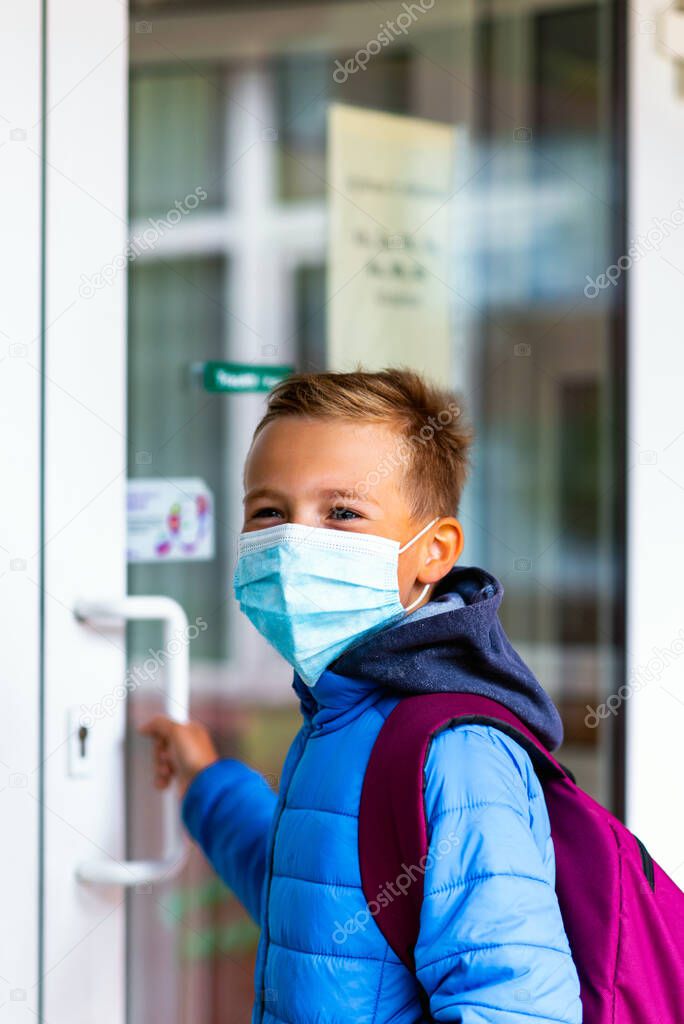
column 262, row 492
column 348, row 493
column 331, row 493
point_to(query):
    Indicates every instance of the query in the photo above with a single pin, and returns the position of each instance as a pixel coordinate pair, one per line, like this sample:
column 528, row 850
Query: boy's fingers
column 161, row 746
column 164, row 770
column 179, row 750
column 166, row 764
column 159, row 727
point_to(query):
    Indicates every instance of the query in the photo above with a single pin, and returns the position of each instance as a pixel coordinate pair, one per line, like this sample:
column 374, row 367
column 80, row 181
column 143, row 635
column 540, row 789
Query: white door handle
column 176, row 702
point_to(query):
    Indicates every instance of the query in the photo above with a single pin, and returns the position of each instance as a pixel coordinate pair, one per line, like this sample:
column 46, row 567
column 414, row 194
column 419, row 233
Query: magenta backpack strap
column 393, row 838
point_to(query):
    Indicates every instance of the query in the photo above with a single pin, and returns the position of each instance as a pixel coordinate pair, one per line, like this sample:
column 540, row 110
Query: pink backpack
column 624, row 917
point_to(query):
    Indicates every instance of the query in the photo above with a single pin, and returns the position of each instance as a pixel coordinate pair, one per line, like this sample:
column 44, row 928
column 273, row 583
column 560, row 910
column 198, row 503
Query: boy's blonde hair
column 433, row 441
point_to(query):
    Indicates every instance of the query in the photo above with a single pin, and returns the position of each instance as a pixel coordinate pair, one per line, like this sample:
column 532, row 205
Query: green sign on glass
column 232, row 377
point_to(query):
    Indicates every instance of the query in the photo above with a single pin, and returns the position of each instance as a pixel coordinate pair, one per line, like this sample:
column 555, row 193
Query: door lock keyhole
column 81, row 746
column 82, row 737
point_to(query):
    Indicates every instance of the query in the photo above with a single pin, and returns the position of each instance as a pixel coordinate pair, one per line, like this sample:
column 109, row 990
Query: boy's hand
column 181, row 751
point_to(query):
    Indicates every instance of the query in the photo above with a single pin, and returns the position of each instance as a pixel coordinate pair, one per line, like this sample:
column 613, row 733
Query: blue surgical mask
column 313, row 592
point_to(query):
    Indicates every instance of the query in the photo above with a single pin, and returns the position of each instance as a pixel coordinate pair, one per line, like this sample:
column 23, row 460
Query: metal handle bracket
column 176, row 702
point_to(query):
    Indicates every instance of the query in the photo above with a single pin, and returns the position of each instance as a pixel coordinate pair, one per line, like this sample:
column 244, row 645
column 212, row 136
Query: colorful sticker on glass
column 169, row 520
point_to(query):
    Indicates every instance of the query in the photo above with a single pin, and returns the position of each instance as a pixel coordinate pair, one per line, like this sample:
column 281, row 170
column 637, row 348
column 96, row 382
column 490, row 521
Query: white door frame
column 655, row 444
column 83, row 949
column 20, row 609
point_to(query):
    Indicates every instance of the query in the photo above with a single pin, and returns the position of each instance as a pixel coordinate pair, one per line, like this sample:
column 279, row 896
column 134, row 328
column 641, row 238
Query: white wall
column 655, row 711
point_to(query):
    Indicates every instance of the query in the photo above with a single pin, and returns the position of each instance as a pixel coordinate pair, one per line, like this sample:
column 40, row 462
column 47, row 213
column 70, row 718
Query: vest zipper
column 261, row 991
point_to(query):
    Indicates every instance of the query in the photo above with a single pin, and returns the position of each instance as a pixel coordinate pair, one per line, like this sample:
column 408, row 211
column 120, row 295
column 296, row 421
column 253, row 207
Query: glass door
column 232, row 103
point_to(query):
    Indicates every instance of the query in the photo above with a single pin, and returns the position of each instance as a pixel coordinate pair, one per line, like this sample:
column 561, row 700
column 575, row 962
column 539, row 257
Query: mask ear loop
column 414, row 604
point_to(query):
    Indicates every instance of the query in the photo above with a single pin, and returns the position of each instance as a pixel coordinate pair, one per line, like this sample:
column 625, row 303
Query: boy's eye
column 340, row 514
column 266, row 513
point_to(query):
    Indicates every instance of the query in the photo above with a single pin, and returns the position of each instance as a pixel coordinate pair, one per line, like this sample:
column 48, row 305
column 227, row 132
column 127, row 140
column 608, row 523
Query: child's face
column 325, row 473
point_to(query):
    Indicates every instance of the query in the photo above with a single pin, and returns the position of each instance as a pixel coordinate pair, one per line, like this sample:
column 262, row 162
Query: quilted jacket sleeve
column 228, row 809
column 492, row 947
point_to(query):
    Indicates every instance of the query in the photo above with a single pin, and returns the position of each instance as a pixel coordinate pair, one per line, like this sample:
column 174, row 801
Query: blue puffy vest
column 492, row 948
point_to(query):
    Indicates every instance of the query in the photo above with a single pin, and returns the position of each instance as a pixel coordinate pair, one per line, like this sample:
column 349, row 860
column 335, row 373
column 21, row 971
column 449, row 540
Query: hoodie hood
column 455, row 644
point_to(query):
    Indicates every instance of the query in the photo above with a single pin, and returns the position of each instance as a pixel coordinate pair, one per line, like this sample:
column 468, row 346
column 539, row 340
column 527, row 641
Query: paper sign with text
column 389, row 298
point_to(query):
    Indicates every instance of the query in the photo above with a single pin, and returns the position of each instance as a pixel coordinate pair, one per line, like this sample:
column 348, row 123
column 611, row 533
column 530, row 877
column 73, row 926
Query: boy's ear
column 442, row 550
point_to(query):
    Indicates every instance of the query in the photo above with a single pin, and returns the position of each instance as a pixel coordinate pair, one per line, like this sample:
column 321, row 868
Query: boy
column 347, row 566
